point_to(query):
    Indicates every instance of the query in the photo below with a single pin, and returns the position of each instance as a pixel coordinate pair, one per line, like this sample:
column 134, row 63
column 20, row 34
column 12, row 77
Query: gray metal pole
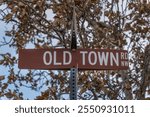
column 73, row 84
column 73, row 71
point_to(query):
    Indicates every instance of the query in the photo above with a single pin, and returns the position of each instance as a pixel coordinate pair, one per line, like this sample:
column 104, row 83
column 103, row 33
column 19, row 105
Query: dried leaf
column 2, row 77
column 5, row 85
column 9, row 95
column 83, row 89
column 8, row 17
column 21, row 4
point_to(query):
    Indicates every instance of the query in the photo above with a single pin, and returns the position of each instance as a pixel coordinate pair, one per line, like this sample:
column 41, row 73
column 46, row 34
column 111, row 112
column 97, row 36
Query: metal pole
column 73, row 71
column 74, row 30
column 73, row 84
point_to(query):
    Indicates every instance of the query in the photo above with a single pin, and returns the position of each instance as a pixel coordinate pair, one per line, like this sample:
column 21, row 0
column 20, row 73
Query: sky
column 6, row 49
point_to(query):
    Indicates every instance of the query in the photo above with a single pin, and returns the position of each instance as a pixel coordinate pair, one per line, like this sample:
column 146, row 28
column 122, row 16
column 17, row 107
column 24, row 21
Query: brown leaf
column 127, row 86
column 77, row 2
column 20, row 4
column 8, row 16
column 148, row 98
column 2, row 77
column 5, row 85
column 9, row 95
column 14, row 9
column 93, row 1
column 83, row 90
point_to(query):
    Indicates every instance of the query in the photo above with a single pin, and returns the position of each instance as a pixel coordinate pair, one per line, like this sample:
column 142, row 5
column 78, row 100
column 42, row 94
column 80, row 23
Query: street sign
column 64, row 59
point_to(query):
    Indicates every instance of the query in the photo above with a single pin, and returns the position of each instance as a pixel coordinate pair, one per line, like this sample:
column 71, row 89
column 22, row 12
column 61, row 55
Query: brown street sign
column 64, row 59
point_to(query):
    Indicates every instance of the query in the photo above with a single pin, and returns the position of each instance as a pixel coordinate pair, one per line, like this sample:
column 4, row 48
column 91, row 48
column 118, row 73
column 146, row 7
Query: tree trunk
column 127, row 85
column 146, row 72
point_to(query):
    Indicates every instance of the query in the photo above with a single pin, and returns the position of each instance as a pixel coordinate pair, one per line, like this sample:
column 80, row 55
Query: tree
column 113, row 24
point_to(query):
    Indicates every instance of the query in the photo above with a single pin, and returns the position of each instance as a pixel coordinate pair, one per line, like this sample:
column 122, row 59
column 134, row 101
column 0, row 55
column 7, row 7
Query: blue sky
column 6, row 49
column 28, row 93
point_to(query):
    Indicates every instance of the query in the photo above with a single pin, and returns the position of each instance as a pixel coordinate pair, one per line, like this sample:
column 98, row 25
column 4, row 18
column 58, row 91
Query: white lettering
column 65, row 62
column 124, row 63
column 55, row 62
column 126, row 55
column 103, row 58
column 92, row 53
column 122, row 55
column 83, row 56
column 49, row 54
column 114, row 58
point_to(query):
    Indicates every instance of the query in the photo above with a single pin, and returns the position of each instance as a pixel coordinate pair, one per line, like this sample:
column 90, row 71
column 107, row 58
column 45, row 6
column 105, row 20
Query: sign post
column 73, row 71
column 73, row 84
